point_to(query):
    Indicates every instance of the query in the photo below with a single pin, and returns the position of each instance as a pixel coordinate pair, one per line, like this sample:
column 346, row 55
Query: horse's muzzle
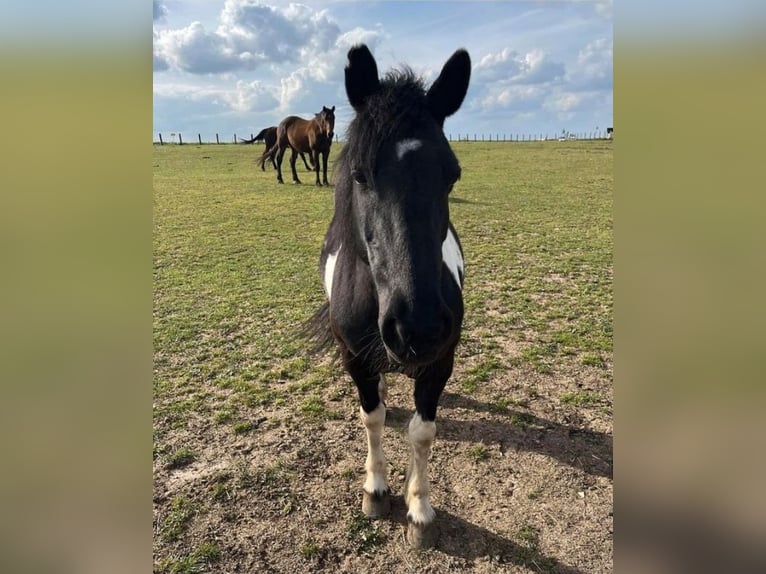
column 416, row 339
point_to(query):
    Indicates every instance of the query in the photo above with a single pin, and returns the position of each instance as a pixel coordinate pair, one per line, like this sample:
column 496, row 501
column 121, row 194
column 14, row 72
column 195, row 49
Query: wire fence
column 178, row 138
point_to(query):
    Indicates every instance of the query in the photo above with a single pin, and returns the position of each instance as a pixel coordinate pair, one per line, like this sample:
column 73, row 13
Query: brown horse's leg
column 315, row 159
column 325, row 155
column 280, row 155
column 303, row 157
column 293, row 157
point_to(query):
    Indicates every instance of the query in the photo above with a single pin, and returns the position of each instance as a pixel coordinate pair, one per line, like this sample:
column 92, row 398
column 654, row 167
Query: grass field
column 258, row 450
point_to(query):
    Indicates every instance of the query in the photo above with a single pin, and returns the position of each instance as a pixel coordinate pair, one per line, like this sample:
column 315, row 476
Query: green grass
column 182, row 511
column 235, row 259
column 479, row 453
column 363, row 533
column 310, row 550
column 180, row 458
column 581, row 398
column 235, row 274
column 205, row 555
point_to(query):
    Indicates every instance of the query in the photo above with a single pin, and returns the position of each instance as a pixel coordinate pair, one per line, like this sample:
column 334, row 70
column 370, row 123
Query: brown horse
column 269, row 137
column 306, row 136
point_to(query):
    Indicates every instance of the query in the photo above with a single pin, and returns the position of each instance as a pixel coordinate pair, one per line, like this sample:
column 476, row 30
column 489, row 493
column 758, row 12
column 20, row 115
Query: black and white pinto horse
column 392, row 264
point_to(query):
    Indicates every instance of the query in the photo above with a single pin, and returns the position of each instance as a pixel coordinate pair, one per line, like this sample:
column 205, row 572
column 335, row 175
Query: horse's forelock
column 398, row 105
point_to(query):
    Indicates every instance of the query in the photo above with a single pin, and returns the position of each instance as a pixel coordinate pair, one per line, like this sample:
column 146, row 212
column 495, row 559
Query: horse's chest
column 452, row 257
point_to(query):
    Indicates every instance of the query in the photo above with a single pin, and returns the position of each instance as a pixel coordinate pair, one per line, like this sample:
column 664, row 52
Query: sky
column 237, row 66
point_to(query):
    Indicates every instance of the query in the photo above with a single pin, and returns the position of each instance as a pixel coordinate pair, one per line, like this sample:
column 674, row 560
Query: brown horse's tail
column 270, row 153
column 261, row 135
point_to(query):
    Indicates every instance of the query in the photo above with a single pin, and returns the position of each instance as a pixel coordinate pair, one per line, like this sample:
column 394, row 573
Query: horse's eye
column 358, row 176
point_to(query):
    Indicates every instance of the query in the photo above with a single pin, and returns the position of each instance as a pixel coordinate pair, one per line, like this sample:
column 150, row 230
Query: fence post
column 161, row 142
column 216, row 139
column 235, row 138
column 180, row 141
column 199, row 137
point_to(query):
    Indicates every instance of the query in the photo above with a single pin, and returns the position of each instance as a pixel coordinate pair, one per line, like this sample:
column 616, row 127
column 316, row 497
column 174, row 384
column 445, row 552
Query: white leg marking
column 417, row 489
column 405, row 146
column 453, row 257
column 329, row 271
column 375, row 465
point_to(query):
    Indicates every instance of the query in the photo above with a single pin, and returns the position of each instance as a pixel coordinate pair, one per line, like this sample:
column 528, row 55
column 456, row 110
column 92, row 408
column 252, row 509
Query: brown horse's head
column 326, row 120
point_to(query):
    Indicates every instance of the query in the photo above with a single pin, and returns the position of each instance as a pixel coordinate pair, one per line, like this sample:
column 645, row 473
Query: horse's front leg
column 376, row 501
column 421, row 530
column 315, row 159
column 325, row 155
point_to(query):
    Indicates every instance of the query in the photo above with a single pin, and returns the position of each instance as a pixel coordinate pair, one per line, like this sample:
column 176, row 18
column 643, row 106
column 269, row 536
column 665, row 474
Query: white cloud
column 160, row 63
column 564, row 102
column 359, row 35
column 195, row 50
column 593, row 69
column 248, row 35
column 253, row 61
column 510, row 66
column 322, row 76
column 508, row 80
column 250, row 97
column 518, row 97
column 241, row 97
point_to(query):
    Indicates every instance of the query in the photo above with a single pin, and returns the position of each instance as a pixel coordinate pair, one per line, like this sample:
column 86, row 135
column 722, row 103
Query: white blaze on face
column 405, row 146
column 329, row 272
column 452, row 257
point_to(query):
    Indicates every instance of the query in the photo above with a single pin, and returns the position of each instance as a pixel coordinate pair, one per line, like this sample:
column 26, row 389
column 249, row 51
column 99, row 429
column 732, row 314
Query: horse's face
column 402, row 213
column 327, row 121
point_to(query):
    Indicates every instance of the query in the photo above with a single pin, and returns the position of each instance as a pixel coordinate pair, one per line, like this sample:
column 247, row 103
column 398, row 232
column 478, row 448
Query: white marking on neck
column 453, row 257
column 407, row 145
column 329, row 272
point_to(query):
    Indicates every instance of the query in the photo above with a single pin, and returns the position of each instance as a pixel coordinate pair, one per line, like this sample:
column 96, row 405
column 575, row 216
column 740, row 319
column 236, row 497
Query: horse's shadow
column 589, row 451
column 462, row 539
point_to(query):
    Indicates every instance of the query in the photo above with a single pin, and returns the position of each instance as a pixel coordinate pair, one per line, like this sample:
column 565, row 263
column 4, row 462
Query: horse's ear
column 333, row 109
column 361, row 76
column 446, row 94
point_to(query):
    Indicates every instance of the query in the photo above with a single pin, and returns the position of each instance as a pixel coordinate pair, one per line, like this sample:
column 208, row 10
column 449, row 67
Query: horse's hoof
column 375, row 505
column 422, row 536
